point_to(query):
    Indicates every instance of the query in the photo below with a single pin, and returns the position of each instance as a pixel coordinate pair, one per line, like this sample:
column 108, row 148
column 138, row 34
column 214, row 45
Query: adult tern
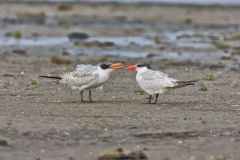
column 155, row 82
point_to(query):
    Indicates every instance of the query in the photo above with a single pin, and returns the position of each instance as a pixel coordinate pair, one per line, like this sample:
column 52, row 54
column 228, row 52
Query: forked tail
column 180, row 84
column 51, row 77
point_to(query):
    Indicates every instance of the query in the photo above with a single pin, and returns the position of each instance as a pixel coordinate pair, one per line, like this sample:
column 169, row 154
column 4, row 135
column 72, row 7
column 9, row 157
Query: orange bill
column 116, row 66
column 133, row 67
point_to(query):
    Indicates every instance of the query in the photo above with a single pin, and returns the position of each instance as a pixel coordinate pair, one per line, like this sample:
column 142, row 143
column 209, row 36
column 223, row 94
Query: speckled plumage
column 87, row 77
column 84, row 77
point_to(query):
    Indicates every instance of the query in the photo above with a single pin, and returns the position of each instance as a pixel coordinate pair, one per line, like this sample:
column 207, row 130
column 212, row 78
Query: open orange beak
column 133, row 67
column 116, row 66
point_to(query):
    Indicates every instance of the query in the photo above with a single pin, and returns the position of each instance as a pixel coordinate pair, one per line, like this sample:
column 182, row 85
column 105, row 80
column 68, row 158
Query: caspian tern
column 87, row 77
column 155, row 82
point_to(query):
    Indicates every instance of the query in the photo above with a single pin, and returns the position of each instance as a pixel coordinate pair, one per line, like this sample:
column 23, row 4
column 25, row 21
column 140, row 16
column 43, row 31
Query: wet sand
column 48, row 121
column 41, row 119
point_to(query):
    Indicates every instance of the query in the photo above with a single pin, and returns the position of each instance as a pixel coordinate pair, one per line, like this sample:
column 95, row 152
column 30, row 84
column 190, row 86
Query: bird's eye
column 105, row 66
column 144, row 65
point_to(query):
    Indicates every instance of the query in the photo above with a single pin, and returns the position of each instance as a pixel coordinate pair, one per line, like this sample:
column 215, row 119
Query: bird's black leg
column 82, row 96
column 156, row 99
column 90, row 96
column 150, row 98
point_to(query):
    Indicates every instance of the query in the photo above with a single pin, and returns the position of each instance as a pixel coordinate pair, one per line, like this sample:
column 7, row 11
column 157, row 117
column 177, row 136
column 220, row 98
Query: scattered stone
column 8, row 75
column 5, row 53
column 27, row 133
column 222, row 45
column 150, row 55
column 71, row 158
column 37, row 17
column 35, row 35
column 60, row 60
column 65, row 53
column 120, row 18
column 78, row 36
column 11, row 19
column 226, row 58
column 236, row 51
column 215, row 66
column 19, row 51
column 3, row 142
column 64, row 7
column 203, row 122
column 214, row 38
column 95, row 44
column 188, row 21
column 123, row 154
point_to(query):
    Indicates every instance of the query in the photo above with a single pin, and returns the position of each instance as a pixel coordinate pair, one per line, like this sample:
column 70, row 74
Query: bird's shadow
column 138, row 102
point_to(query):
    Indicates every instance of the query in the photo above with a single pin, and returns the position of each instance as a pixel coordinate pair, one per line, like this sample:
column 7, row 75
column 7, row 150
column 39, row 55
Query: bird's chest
column 145, row 82
column 103, row 78
column 141, row 82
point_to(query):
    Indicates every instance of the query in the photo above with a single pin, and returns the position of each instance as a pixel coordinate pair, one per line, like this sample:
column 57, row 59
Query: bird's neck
column 141, row 70
column 104, row 72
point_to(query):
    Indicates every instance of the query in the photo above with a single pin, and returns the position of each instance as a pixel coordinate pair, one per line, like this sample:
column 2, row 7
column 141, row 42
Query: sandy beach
column 41, row 119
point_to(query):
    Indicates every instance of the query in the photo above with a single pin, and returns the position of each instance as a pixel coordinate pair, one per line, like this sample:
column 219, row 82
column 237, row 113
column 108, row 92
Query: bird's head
column 139, row 66
column 108, row 66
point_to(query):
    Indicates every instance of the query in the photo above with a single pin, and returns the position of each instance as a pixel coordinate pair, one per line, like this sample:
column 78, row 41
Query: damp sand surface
column 41, row 119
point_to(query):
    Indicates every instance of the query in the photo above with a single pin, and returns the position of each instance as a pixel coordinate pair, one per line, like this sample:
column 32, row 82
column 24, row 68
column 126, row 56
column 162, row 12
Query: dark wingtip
column 180, row 84
column 188, row 82
column 51, row 77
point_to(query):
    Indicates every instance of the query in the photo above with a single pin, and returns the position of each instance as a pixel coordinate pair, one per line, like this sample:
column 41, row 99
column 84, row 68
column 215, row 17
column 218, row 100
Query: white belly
column 151, row 86
column 96, row 83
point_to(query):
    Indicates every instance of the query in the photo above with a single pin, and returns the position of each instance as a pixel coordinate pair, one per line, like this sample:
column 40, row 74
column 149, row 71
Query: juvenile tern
column 155, row 82
column 87, row 77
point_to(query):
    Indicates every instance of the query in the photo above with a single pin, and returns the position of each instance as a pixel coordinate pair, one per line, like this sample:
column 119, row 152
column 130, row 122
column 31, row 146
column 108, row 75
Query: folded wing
column 83, row 69
column 82, row 76
column 154, row 81
column 157, row 79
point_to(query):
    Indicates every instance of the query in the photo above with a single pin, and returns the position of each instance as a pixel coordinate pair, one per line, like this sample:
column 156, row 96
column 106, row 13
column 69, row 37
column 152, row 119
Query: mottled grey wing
column 85, row 69
column 78, row 79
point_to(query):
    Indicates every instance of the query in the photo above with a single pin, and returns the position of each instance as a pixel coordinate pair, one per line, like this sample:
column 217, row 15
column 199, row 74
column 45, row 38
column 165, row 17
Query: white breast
column 101, row 79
